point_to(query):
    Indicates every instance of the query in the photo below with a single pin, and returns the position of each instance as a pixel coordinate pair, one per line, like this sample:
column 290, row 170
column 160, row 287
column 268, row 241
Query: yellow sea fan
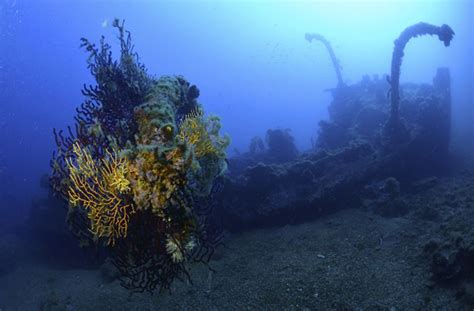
column 101, row 188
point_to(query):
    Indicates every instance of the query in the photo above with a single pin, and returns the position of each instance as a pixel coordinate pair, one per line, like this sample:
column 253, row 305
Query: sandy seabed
column 350, row 260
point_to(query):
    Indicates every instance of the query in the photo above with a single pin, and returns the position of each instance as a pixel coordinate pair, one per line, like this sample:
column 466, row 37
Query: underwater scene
column 236, row 155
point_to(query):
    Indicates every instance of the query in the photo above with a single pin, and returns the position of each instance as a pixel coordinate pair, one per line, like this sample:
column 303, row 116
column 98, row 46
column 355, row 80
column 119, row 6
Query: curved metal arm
column 335, row 62
column 444, row 33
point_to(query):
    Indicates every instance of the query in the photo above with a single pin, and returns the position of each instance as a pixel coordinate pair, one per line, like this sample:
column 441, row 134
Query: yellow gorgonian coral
column 101, row 188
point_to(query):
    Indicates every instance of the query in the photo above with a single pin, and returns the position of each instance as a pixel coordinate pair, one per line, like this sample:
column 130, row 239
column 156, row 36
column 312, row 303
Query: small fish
column 105, row 23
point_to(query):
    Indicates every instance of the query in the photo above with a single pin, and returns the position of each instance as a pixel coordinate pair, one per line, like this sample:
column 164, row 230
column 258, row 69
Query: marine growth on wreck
column 138, row 168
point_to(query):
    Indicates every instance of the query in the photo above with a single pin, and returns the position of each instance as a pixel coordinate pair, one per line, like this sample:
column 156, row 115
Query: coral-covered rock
column 452, row 260
column 280, row 148
column 137, row 171
column 450, row 251
column 281, row 145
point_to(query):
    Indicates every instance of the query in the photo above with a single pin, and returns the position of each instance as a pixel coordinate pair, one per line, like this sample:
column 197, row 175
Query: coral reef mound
column 140, row 168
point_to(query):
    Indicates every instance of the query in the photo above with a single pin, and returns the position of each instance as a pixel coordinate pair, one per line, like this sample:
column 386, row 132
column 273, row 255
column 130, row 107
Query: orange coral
column 101, row 188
